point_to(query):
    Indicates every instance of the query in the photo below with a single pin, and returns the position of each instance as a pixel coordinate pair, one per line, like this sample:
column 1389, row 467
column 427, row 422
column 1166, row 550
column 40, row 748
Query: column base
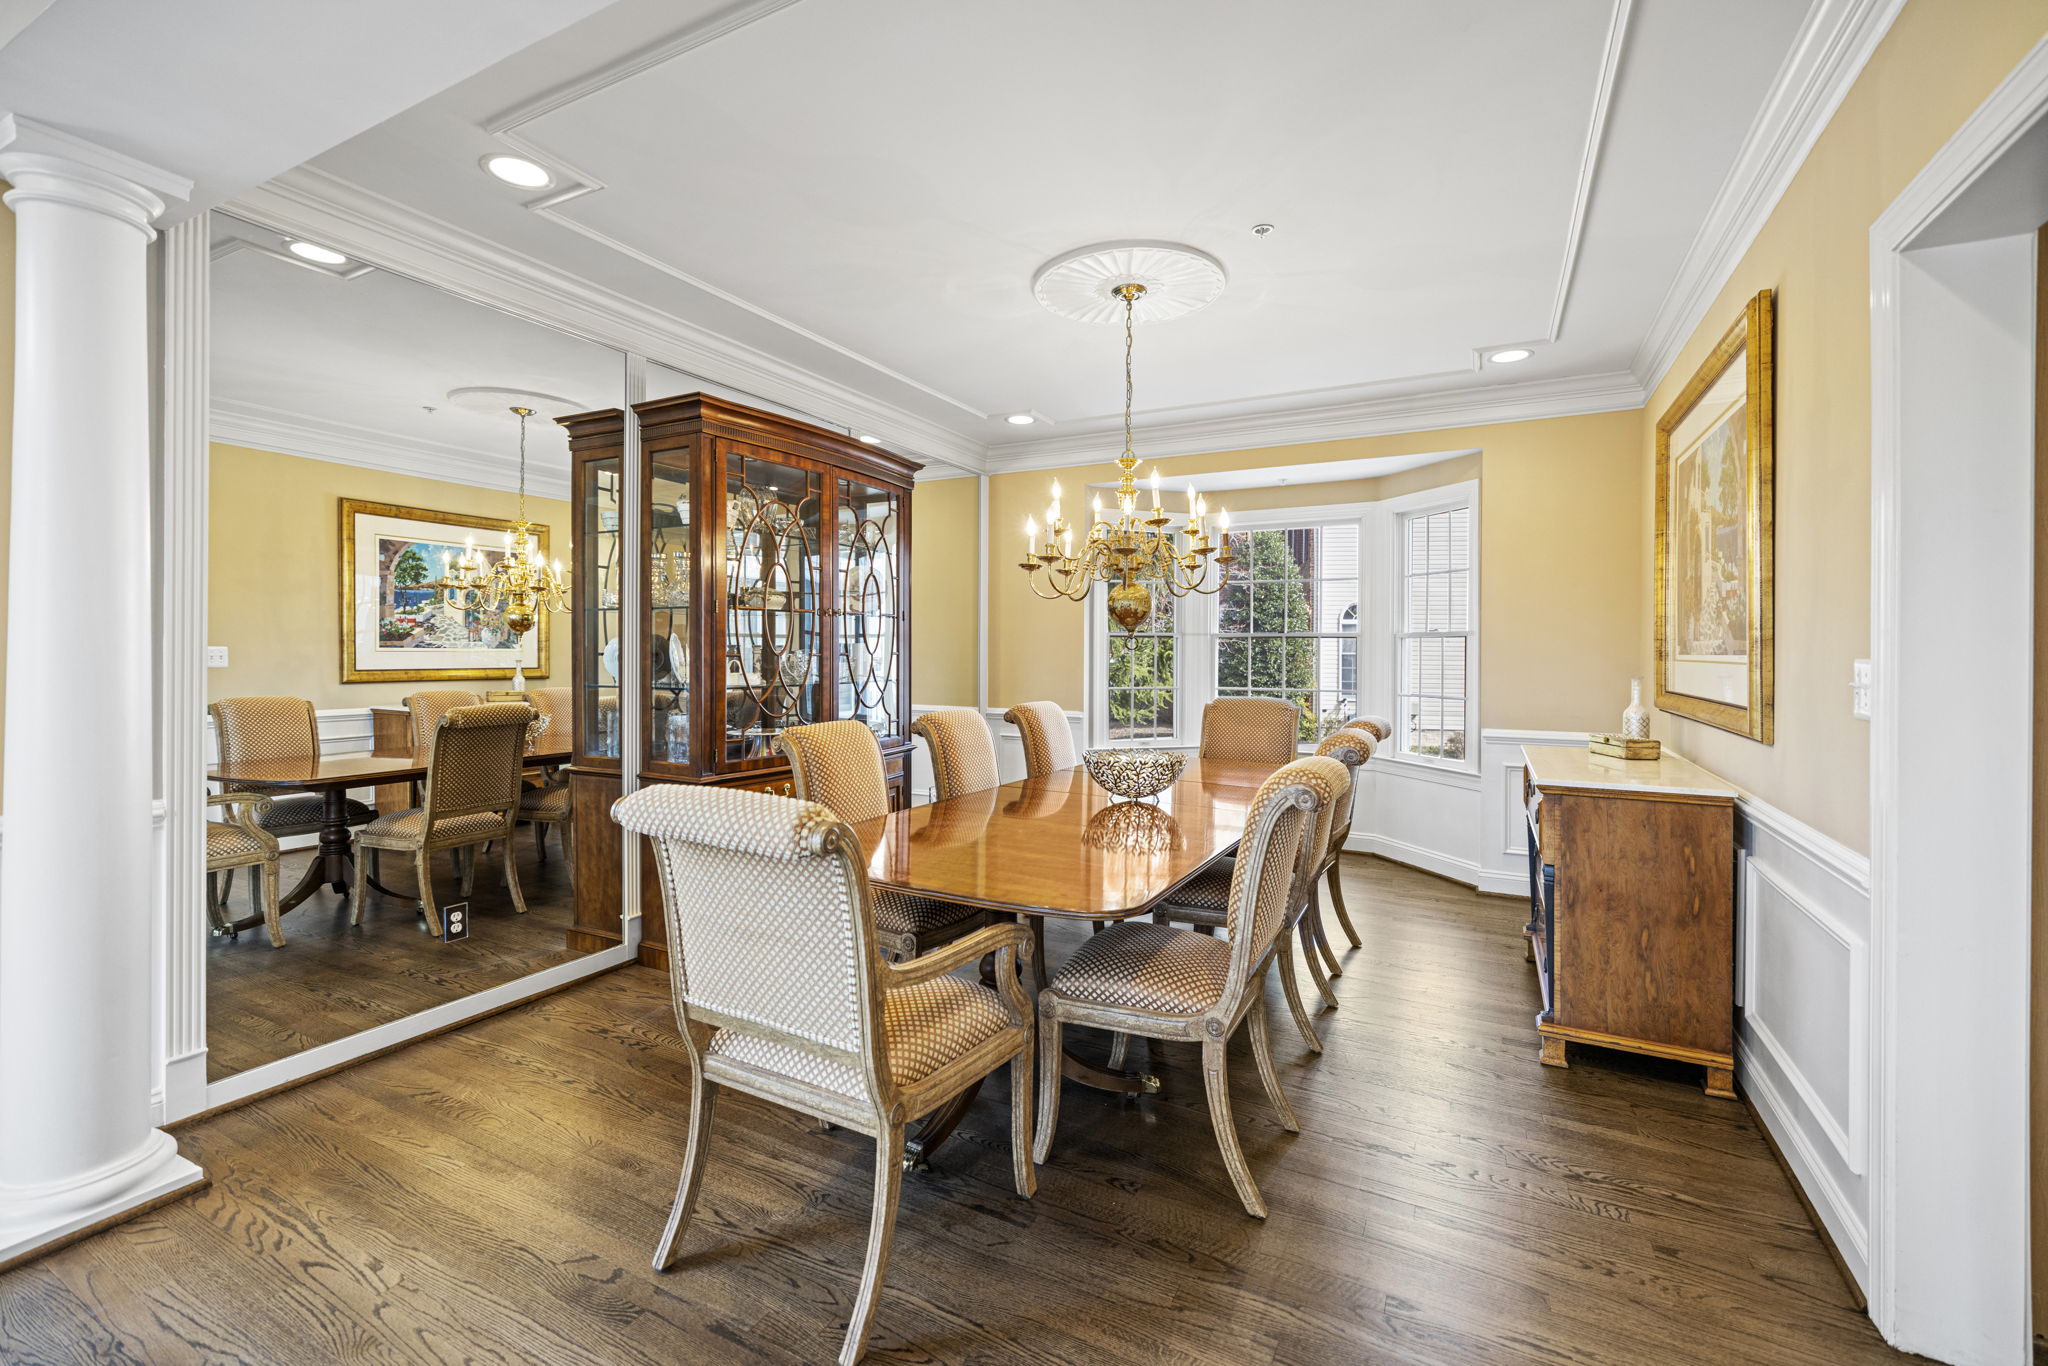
column 41, row 1219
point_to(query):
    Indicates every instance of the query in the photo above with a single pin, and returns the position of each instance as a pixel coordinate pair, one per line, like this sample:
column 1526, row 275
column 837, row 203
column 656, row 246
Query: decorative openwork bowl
column 1133, row 772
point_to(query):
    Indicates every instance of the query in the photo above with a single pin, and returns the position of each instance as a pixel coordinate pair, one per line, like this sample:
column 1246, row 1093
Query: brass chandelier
column 1128, row 549
column 519, row 582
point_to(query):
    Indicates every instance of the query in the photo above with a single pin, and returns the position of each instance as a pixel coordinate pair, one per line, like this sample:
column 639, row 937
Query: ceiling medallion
column 493, row 398
column 1083, row 283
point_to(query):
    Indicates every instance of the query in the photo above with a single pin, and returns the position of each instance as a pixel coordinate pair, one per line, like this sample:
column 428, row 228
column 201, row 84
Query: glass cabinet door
column 773, row 516
column 668, row 606
column 599, row 573
column 868, row 610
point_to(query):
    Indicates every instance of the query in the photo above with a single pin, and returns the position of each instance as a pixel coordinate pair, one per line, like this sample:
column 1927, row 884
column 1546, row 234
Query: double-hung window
column 1287, row 623
column 1434, row 639
column 1143, row 696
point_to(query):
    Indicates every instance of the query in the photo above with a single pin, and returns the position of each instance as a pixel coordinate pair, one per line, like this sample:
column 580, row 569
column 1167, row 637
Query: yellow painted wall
column 1940, row 60
column 1561, row 588
column 945, row 533
column 273, row 572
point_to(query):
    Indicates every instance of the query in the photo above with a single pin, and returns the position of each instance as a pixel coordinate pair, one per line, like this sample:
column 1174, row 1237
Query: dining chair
column 1204, row 902
column 1350, row 747
column 241, row 841
column 474, row 759
column 781, row 993
column 253, row 729
column 425, row 710
column 838, row 765
column 1263, row 730
column 1162, row 982
column 556, row 707
column 1380, row 726
column 1048, row 739
column 963, row 752
column 544, row 803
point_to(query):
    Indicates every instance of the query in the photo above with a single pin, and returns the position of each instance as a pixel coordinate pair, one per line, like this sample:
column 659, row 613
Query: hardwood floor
column 331, row 980
column 493, row 1195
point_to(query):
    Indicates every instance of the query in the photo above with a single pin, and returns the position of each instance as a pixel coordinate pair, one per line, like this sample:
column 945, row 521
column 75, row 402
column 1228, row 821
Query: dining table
column 1060, row 847
column 332, row 776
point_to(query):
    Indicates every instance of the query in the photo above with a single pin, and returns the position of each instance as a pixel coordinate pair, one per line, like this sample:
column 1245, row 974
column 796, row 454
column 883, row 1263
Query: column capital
column 45, row 163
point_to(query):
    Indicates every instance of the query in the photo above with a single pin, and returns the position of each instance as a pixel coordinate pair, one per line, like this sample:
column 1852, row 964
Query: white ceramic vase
column 1635, row 722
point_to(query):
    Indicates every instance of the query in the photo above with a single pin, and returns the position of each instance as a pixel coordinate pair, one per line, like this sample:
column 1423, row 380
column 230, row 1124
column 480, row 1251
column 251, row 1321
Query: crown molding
column 1471, row 407
column 343, row 443
column 316, row 204
column 1830, row 51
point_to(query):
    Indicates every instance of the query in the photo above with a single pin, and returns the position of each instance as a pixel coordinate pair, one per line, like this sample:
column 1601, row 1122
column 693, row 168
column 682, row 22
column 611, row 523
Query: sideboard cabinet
column 1632, row 907
column 771, row 588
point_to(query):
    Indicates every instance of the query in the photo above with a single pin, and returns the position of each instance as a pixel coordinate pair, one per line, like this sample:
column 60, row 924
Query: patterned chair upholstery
column 963, row 752
column 1204, row 899
column 1167, row 983
column 472, row 797
column 251, row 729
column 838, row 765
column 781, row 993
column 1048, row 739
column 1261, row 730
column 1351, row 748
column 425, row 709
column 1380, row 726
column 241, row 841
column 545, row 805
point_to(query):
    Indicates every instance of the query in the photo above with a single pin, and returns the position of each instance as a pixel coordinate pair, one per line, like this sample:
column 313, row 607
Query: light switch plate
column 216, row 656
column 1859, row 689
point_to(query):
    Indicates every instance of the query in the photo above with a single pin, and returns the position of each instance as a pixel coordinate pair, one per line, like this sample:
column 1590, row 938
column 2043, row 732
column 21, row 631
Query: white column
column 76, row 1145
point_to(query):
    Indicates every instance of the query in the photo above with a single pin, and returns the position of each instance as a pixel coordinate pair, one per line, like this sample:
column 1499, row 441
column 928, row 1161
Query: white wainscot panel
column 1419, row 815
column 1803, row 921
column 1504, row 831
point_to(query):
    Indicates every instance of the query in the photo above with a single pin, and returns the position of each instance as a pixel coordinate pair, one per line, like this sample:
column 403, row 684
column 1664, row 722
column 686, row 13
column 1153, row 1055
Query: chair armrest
column 971, row 948
column 251, row 804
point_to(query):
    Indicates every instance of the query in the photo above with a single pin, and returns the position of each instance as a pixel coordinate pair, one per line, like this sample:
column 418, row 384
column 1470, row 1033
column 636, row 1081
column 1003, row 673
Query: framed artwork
column 394, row 626
column 1714, row 531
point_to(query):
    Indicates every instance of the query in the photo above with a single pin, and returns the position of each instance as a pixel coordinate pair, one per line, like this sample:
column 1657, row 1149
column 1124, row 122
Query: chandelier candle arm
column 521, row 583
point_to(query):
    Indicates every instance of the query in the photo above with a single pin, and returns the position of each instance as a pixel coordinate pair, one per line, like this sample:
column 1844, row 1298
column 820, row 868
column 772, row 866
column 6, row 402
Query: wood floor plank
column 493, row 1195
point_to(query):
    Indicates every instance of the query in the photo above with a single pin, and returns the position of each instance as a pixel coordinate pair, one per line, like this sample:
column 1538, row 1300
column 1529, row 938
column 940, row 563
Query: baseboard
column 1415, row 856
column 1840, row 1223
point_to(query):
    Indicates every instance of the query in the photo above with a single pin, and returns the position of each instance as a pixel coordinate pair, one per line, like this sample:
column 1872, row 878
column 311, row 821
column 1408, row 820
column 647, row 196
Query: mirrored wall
column 390, row 714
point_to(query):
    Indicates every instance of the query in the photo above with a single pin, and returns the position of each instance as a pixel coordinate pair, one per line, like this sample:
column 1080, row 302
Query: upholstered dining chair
column 1167, row 983
column 544, row 803
column 1380, row 726
column 1048, row 739
column 838, row 765
column 963, row 752
column 781, row 993
column 1260, row 729
column 1350, row 747
column 240, row 841
column 425, row 710
column 1204, row 901
column 474, row 759
column 251, row 729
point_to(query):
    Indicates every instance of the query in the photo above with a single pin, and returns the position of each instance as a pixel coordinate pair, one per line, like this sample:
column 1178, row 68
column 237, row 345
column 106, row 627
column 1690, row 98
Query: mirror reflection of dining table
column 332, row 776
column 1060, row 848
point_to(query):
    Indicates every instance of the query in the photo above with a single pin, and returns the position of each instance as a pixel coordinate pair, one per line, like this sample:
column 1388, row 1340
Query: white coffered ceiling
column 845, row 203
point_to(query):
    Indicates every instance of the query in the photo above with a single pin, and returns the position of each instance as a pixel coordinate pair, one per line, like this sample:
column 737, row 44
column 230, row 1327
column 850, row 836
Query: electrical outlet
column 1859, row 689
column 216, row 656
column 455, row 922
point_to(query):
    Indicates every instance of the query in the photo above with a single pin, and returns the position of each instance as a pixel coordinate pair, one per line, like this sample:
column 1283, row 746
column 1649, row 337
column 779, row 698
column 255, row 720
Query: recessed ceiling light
column 519, row 171
column 309, row 251
column 1020, row 419
column 1511, row 355
column 872, row 440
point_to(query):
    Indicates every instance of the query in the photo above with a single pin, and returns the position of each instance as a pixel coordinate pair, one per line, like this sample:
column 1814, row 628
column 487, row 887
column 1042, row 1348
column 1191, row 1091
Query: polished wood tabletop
column 1060, row 845
column 341, row 770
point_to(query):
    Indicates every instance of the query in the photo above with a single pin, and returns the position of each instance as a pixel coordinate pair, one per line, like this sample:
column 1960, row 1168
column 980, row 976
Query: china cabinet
column 771, row 589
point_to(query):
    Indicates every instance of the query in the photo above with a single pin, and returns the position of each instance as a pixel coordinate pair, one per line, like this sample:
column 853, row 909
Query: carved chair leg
column 1022, row 1080
column 1262, row 1054
column 356, row 874
column 1216, row 1078
column 881, row 1232
column 540, row 840
column 1049, row 1055
column 265, row 876
column 1119, row 1051
column 1314, row 922
column 424, row 870
column 1315, row 965
column 1303, row 1021
column 466, row 857
column 1337, row 905
column 703, row 1097
column 512, row 876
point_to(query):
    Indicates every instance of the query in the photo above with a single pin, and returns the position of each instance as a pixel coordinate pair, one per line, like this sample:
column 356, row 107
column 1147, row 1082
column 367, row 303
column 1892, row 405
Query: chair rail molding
column 1952, row 455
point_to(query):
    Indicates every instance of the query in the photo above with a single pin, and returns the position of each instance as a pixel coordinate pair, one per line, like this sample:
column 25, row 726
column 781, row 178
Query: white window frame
column 1393, row 517
column 1194, row 657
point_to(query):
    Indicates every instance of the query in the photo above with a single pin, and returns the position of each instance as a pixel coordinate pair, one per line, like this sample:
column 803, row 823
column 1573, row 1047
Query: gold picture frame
column 375, row 539
column 1715, row 524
